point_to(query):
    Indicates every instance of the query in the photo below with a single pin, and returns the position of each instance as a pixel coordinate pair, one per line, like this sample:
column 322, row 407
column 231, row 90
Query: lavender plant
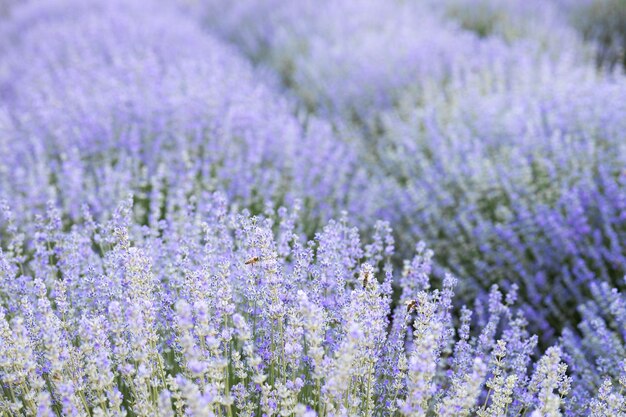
column 508, row 160
column 219, row 313
column 596, row 353
column 527, row 181
column 349, row 60
column 166, row 247
column 101, row 99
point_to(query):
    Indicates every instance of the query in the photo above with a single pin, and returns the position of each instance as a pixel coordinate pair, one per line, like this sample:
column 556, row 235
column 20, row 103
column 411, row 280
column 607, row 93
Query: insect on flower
column 252, row 260
column 410, row 305
column 56, row 378
column 366, row 277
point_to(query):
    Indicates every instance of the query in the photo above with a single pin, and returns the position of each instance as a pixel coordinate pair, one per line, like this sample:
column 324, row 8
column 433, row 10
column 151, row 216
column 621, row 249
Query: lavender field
column 313, row 208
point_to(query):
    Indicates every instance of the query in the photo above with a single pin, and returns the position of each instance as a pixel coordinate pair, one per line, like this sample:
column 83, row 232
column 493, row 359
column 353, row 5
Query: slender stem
column 84, row 401
column 369, row 386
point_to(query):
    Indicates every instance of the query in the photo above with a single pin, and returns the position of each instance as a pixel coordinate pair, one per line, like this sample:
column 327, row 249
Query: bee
column 410, row 305
column 366, row 277
column 56, row 378
column 252, row 260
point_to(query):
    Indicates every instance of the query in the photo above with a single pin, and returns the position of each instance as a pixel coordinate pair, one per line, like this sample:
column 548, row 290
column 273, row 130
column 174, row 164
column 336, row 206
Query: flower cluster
column 347, row 60
column 98, row 99
column 527, row 181
column 499, row 141
column 220, row 313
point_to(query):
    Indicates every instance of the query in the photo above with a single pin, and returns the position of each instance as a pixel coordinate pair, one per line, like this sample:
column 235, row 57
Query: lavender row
column 178, row 305
column 101, row 99
column 352, row 58
column 503, row 140
column 219, row 313
column 524, row 185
